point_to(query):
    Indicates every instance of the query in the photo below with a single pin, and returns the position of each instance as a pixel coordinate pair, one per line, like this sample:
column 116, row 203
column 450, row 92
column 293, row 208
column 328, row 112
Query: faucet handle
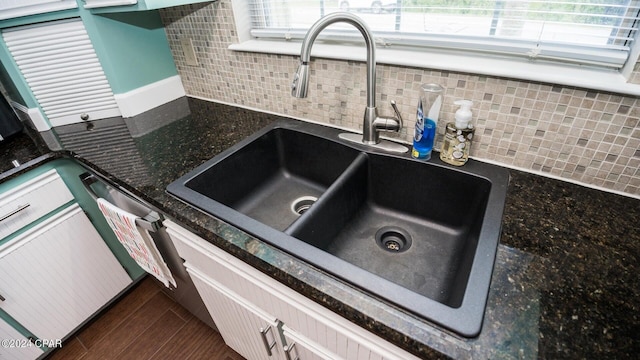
column 395, row 108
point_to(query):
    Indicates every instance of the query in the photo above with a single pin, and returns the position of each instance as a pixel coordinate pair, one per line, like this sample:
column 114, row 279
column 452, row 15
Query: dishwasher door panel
column 185, row 292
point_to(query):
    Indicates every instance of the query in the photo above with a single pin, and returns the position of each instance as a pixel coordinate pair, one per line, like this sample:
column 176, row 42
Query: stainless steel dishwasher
column 185, row 292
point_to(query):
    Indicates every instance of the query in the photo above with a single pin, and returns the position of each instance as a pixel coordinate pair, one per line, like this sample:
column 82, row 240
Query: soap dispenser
column 426, row 120
column 458, row 136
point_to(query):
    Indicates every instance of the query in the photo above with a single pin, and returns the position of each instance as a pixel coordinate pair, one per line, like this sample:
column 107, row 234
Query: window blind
column 598, row 33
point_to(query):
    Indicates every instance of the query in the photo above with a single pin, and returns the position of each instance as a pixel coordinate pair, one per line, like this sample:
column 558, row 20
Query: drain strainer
column 302, row 204
column 393, row 239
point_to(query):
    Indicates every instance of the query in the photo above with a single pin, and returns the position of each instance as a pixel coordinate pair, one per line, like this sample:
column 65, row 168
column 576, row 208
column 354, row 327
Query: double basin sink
column 422, row 236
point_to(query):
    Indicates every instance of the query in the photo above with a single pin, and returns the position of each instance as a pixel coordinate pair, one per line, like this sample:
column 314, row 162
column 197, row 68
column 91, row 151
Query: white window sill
column 601, row 80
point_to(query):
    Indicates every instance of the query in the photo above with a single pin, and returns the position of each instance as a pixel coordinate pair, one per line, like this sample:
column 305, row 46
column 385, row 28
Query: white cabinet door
column 13, row 347
column 56, row 275
column 319, row 332
column 244, row 328
column 60, row 65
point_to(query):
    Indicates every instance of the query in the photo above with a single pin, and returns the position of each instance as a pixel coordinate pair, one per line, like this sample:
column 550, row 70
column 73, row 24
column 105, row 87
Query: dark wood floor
column 146, row 324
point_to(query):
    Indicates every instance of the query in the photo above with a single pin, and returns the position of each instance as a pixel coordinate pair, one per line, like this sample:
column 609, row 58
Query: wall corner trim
column 34, row 114
column 150, row 96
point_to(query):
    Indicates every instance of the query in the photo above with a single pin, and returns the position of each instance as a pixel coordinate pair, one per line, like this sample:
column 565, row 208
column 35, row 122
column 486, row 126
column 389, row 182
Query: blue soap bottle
column 427, row 115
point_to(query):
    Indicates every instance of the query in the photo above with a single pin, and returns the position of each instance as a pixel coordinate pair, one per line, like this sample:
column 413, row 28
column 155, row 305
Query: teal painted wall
column 132, row 47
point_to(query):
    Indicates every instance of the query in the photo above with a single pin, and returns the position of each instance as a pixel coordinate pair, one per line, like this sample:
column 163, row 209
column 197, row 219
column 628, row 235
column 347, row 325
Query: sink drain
column 393, row 239
column 302, row 204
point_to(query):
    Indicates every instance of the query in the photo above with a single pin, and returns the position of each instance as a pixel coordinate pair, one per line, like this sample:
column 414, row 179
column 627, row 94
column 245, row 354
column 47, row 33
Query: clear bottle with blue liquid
column 426, row 119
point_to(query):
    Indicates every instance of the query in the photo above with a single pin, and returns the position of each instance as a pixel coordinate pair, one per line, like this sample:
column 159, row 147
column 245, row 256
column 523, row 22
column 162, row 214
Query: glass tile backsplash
column 584, row 136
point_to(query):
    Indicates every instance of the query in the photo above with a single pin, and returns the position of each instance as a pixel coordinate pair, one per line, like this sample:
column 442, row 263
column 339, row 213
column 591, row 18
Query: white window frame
column 569, row 75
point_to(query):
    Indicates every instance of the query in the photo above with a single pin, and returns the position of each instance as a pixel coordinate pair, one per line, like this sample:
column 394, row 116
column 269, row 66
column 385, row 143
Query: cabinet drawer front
column 31, row 200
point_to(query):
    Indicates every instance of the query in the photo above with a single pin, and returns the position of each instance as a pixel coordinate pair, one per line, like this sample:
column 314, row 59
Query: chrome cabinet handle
column 268, row 347
column 287, row 352
column 10, row 214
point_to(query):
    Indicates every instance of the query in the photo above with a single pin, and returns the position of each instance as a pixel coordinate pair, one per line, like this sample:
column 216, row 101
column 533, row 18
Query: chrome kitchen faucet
column 373, row 123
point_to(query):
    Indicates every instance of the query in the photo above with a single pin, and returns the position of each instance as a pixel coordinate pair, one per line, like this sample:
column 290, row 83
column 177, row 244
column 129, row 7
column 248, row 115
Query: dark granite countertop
column 23, row 147
column 565, row 284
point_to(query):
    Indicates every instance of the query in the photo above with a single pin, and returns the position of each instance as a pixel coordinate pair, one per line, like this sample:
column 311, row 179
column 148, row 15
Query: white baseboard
column 34, row 115
column 145, row 98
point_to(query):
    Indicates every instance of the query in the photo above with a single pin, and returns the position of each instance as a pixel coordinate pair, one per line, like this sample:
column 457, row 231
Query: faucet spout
column 372, row 124
column 301, row 79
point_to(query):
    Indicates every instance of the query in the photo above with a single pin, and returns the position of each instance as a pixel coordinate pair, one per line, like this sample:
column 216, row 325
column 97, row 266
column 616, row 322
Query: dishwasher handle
column 150, row 222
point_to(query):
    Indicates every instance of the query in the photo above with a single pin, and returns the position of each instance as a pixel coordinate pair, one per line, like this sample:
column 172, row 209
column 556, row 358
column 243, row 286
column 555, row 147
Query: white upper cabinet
column 91, row 4
column 16, row 8
column 60, row 65
column 102, row 6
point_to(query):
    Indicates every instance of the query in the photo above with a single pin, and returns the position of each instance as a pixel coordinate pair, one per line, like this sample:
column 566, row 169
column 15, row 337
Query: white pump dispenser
column 458, row 136
column 464, row 114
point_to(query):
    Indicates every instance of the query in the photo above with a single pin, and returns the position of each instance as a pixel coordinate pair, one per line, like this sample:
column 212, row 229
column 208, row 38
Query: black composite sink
column 276, row 177
column 420, row 235
column 418, row 230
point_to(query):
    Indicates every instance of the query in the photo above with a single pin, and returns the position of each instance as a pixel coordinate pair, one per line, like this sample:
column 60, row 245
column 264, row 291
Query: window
column 597, row 34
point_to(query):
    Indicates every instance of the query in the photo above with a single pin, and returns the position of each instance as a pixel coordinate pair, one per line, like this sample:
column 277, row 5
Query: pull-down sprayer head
column 300, row 82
